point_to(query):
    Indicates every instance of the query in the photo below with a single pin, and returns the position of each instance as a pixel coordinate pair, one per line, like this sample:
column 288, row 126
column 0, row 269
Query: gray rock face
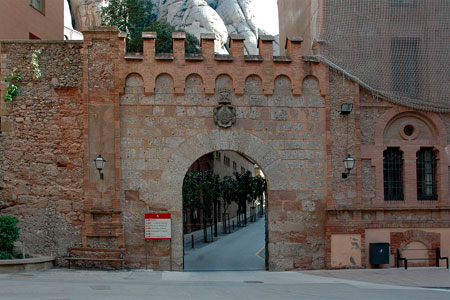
column 221, row 17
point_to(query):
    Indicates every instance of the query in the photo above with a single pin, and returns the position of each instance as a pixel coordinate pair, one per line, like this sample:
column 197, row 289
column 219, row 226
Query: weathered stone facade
column 151, row 117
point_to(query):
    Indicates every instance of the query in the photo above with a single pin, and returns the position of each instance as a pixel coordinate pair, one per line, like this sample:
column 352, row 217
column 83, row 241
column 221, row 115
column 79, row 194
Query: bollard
column 212, row 237
column 192, row 238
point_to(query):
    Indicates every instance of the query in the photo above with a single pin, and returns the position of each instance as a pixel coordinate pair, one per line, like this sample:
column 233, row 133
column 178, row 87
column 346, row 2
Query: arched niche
column 134, row 87
column 164, row 84
column 253, row 85
column 163, row 89
column 282, row 85
column 194, row 84
column 310, row 86
column 224, row 81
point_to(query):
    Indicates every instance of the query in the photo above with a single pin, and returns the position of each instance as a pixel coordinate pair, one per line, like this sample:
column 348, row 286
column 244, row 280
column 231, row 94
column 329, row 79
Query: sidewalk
column 415, row 277
column 141, row 284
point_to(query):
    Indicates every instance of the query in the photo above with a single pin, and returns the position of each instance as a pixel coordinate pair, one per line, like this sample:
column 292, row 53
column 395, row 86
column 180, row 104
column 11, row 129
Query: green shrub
column 5, row 255
column 9, row 233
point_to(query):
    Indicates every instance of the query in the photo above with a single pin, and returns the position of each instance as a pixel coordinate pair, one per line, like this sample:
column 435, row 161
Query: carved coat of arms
column 225, row 113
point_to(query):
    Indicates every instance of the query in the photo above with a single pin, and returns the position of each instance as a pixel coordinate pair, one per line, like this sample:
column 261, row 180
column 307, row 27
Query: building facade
column 32, row 20
column 151, row 116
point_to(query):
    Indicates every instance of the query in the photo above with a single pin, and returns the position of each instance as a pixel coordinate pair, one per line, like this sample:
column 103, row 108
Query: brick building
column 32, row 19
column 151, row 116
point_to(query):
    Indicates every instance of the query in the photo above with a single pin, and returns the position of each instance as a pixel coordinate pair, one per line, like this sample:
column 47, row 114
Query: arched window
column 426, row 174
column 393, row 174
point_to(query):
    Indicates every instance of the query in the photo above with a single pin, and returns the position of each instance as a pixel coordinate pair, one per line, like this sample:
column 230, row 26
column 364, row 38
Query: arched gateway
column 188, row 152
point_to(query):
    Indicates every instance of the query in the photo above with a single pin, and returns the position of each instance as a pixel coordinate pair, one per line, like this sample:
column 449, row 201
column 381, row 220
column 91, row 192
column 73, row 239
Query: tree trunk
column 215, row 218
column 205, row 232
column 245, row 213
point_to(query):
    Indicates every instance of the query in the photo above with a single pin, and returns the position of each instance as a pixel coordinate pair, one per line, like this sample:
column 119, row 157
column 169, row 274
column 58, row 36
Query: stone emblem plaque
column 225, row 115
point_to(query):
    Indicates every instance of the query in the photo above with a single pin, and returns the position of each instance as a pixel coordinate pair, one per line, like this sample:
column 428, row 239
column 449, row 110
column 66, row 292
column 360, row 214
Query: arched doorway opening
column 187, row 153
column 224, row 214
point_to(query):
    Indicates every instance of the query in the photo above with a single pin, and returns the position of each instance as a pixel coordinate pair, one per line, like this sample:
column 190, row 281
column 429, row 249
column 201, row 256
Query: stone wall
column 41, row 161
column 152, row 116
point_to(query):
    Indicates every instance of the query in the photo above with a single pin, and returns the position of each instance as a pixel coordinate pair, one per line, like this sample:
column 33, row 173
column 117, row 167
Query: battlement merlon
column 235, row 42
column 293, row 47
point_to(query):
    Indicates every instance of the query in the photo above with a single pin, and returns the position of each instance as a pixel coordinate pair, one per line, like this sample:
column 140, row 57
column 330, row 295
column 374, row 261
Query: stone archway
column 188, row 152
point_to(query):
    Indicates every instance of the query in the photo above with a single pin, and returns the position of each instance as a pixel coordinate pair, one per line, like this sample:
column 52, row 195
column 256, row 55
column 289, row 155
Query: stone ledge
column 27, row 264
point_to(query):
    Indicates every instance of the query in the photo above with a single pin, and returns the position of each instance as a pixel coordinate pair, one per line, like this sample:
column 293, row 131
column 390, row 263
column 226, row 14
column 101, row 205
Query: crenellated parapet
column 208, row 64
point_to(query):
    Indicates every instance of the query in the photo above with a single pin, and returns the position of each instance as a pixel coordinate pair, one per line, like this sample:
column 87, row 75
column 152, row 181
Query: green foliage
column 228, row 191
column 164, row 38
column 136, row 16
column 201, row 189
column 5, row 255
column 9, row 233
column 11, row 85
column 130, row 16
column 213, row 5
column 258, row 187
column 35, row 64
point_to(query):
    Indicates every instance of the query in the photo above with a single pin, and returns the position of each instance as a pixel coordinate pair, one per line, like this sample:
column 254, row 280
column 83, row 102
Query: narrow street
column 242, row 250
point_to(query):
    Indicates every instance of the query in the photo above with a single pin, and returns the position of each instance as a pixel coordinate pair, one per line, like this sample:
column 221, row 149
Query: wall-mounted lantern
column 100, row 164
column 346, row 108
column 349, row 164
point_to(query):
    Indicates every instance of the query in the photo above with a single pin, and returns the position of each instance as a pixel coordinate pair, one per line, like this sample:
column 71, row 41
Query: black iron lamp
column 346, row 108
column 100, row 164
column 349, row 164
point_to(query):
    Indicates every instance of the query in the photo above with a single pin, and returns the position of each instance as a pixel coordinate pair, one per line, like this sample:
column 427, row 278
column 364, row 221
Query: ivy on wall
column 11, row 85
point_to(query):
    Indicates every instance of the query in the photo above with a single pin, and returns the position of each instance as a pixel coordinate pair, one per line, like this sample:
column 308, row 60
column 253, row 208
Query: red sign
column 158, row 227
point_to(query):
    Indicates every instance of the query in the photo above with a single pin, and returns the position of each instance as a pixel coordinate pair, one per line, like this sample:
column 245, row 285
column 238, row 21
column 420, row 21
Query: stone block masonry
column 42, row 144
column 151, row 116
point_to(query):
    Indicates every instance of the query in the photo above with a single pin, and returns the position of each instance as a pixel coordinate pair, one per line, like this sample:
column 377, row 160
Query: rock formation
column 222, row 17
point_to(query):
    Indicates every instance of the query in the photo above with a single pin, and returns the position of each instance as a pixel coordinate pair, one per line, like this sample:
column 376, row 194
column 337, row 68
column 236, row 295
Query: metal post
column 192, row 238
column 146, row 255
column 398, row 258
column 212, row 237
column 438, row 255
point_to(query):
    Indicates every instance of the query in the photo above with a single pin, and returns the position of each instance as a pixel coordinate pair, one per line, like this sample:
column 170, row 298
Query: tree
column 201, row 190
column 136, row 16
column 9, row 233
column 229, row 193
column 258, row 187
column 245, row 191
column 164, row 37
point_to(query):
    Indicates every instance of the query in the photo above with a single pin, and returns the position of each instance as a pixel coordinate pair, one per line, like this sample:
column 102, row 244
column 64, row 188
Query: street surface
column 64, row 284
column 242, row 250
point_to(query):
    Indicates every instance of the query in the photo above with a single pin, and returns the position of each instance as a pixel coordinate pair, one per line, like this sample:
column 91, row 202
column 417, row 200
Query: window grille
column 393, row 174
column 426, row 174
